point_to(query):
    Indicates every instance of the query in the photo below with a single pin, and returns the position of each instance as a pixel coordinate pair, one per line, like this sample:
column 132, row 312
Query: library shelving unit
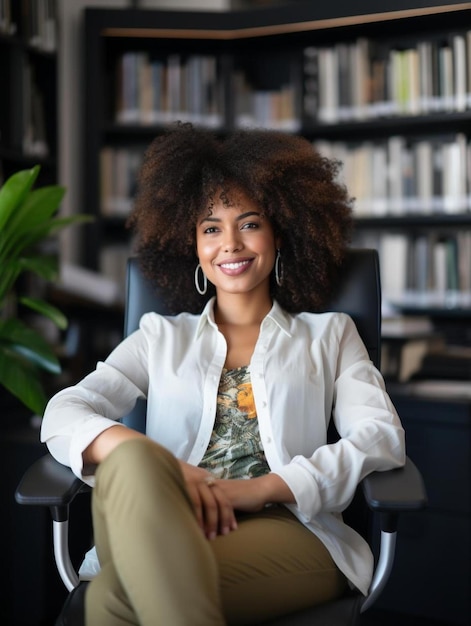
column 28, row 75
column 387, row 93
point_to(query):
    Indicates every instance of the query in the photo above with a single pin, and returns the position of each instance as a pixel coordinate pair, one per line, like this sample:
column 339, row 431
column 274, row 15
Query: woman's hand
column 252, row 495
column 216, row 500
column 213, row 509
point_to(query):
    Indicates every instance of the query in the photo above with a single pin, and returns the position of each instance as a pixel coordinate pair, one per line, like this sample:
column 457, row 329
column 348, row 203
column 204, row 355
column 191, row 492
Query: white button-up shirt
column 305, row 368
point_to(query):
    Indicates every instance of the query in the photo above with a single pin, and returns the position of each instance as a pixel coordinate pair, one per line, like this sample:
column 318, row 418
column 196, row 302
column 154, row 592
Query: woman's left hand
column 252, row 495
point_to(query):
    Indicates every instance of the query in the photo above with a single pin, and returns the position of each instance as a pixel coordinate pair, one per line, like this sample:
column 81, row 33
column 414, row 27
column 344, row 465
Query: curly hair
column 185, row 169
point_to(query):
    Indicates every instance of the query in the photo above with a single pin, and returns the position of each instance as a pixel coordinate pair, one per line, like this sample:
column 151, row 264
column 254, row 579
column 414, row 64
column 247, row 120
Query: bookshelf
column 28, row 75
column 388, row 93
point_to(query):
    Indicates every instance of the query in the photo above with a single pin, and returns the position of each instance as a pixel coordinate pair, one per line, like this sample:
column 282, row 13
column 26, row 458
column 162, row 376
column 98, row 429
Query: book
column 328, row 86
column 459, row 71
column 393, row 253
column 311, row 83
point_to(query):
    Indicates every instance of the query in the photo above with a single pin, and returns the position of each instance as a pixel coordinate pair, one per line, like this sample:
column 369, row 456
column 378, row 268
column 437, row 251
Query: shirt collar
column 281, row 318
column 206, row 317
column 278, row 315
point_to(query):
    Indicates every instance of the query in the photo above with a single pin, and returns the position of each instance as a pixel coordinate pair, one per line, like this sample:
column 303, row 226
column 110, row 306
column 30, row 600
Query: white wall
column 70, row 85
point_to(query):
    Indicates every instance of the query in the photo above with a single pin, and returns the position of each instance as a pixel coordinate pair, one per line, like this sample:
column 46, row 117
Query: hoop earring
column 278, row 269
column 204, row 289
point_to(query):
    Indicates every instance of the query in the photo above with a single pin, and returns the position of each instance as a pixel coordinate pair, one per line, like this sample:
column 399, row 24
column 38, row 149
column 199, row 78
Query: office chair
column 387, row 494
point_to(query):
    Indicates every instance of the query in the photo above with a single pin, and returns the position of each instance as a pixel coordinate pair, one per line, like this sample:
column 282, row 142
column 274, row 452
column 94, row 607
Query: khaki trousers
column 158, row 569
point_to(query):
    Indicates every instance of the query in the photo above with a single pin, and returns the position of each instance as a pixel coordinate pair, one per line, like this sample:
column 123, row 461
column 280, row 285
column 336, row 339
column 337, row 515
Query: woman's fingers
column 210, row 510
column 213, row 508
column 214, row 511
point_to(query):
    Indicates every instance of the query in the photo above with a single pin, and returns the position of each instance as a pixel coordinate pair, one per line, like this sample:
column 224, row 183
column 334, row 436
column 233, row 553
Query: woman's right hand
column 213, row 510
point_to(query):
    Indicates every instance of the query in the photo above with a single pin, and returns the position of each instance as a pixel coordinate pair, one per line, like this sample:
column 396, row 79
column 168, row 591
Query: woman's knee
column 137, row 453
column 138, row 462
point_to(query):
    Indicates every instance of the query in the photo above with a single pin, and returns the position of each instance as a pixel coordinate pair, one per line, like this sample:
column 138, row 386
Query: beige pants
column 158, row 569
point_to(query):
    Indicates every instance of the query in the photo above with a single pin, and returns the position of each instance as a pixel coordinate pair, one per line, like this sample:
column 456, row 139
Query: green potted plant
column 28, row 218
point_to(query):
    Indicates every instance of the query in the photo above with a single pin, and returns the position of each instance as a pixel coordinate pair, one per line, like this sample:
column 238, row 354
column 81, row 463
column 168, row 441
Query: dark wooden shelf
column 380, row 127
column 408, row 221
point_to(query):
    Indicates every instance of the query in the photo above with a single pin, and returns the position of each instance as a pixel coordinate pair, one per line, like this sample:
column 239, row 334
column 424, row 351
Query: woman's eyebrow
column 242, row 216
column 210, row 218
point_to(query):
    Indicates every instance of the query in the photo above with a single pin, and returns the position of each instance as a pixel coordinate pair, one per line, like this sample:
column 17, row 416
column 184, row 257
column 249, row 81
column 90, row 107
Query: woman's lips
column 235, row 268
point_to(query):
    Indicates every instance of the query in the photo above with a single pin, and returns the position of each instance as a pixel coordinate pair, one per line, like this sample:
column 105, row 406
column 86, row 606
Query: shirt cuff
column 304, row 488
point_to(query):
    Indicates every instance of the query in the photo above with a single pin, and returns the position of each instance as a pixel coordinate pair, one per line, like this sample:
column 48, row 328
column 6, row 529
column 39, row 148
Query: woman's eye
column 250, row 225
column 210, row 230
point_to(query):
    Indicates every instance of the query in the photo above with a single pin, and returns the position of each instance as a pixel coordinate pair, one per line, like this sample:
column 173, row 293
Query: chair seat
column 73, row 611
column 341, row 612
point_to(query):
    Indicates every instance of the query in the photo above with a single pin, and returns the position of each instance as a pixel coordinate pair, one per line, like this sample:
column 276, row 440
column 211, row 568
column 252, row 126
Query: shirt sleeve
column 75, row 416
column 371, row 434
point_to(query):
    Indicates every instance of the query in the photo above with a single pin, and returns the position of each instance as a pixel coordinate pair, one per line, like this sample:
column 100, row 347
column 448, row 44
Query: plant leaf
column 16, row 337
column 30, row 221
column 23, row 381
column 45, row 266
column 46, row 309
column 27, row 217
column 14, row 191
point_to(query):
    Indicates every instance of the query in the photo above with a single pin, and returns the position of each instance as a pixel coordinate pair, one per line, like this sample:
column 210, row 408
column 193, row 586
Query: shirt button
column 264, row 404
column 268, row 439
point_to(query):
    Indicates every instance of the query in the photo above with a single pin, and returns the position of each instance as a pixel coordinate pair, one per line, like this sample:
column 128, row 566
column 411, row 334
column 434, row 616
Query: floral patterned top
column 235, row 449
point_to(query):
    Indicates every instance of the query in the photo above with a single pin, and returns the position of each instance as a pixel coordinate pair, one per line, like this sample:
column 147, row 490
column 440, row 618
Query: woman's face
column 236, row 246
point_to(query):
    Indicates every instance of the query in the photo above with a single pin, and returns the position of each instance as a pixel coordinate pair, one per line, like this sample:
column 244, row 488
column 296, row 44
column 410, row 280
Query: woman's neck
column 241, row 309
column 239, row 319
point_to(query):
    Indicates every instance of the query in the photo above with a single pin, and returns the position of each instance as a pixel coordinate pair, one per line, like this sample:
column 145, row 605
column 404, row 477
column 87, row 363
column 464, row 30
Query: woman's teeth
column 234, row 266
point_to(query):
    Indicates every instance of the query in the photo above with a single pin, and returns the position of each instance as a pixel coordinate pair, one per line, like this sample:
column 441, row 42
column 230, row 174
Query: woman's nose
column 232, row 241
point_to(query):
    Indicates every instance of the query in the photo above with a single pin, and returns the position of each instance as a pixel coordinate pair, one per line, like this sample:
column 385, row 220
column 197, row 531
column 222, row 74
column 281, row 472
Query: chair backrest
column 358, row 294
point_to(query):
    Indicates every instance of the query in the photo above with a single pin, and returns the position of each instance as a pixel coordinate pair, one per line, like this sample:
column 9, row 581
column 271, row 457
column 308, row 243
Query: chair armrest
column 390, row 493
column 49, row 483
column 396, row 491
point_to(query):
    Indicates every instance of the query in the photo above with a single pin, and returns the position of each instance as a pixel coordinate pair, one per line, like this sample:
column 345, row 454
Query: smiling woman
column 234, row 476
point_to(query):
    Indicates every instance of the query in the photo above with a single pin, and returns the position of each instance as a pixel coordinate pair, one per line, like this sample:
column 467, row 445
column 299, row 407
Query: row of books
column 424, row 271
column 368, row 79
column 33, row 20
column 156, row 91
column 347, row 81
column 390, row 177
column 400, row 176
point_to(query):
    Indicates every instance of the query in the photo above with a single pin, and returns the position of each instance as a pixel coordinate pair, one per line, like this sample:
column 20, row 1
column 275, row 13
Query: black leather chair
column 382, row 495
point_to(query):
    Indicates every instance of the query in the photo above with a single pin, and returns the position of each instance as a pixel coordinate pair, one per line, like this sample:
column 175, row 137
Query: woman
column 229, row 509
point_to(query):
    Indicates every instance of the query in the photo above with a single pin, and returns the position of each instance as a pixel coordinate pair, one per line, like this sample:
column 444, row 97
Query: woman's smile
column 235, row 268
